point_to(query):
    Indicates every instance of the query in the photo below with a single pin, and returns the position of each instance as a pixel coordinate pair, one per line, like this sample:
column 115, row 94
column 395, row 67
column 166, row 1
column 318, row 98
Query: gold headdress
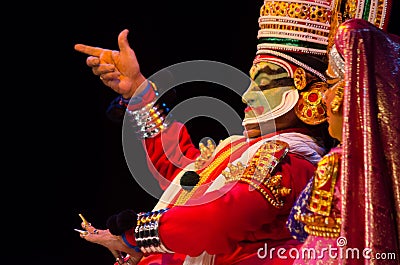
column 298, row 35
column 377, row 12
column 295, row 34
column 295, row 26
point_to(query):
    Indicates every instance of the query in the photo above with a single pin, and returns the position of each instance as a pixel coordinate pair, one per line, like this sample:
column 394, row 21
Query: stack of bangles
column 150, row 120
column 145, row 233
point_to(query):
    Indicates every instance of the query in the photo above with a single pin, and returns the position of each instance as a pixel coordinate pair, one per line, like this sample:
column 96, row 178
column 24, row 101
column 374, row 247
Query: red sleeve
column 169, row 152
column 239, row 213
column 209, row 226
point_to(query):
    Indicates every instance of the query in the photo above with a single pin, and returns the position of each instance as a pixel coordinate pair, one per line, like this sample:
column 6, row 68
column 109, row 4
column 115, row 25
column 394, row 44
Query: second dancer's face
column 335, row 119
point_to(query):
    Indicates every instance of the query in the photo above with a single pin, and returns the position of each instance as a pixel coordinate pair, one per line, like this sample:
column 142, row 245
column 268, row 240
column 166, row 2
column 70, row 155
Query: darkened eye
column 281, row 82
column 250, row 101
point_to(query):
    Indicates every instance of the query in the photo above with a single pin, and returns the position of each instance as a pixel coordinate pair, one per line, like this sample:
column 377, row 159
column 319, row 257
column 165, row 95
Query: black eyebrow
column 280, row 82
column 269, row 71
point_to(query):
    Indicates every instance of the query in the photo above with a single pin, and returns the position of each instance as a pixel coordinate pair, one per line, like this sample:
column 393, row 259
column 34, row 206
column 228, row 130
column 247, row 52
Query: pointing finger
column 89, row 50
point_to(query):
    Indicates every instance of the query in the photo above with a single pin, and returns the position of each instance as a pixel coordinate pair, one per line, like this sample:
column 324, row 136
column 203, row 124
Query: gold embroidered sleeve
column 259, row 172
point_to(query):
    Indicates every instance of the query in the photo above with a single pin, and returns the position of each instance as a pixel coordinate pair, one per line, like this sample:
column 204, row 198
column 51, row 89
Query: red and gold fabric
column 232, row 223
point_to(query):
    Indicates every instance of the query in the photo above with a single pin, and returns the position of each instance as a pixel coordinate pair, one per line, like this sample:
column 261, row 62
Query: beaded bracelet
column 150, row 120
column 146, row 232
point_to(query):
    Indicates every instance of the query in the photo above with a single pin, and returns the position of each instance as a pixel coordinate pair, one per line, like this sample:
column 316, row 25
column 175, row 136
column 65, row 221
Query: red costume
column 236, row 223
column 371, row 146
column 237, row 211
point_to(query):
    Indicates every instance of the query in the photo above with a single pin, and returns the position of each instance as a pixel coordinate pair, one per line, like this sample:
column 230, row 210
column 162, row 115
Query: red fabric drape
column 371, row 144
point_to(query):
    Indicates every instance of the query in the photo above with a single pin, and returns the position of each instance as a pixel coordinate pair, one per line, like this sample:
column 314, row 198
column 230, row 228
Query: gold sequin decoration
column 322, row 222
column 300, row 79
column 303, row 11
column 259, row 172
column 321, row 198
column 205, row 154
column 320, row 225
column 377, row 10
column 310, row 108
column 338, row 99
column 297, row 10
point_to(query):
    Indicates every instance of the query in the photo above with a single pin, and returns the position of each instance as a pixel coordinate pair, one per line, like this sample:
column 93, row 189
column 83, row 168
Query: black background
column 64, row 156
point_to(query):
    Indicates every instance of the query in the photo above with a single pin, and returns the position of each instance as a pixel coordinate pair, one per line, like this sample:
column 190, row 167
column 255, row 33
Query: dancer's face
column 265, row 95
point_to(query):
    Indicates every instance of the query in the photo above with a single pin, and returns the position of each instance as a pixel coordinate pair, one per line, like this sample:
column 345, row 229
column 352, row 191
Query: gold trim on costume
column 323, row 223
column 186, row 195
column 318, row 225
column 324, row 184
column 259, row 172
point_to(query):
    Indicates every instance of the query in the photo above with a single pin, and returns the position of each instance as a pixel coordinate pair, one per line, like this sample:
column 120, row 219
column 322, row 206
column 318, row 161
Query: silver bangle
column 149, row 121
